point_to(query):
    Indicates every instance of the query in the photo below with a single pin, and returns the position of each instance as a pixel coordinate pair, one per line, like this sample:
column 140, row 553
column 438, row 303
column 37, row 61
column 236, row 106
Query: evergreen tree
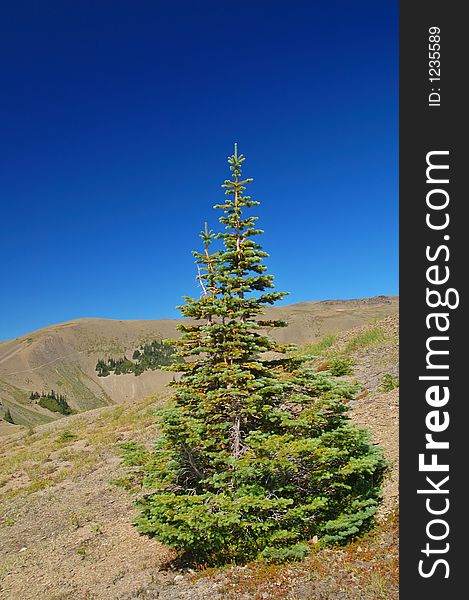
column 7, row 417
column 257, row 454
column 54, row 402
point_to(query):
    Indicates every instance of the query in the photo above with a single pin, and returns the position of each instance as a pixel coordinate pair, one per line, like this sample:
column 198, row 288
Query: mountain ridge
column 63, row 356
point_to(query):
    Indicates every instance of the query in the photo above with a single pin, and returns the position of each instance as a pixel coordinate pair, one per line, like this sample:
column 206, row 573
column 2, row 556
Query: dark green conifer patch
column 52, row 401
column 152, row 355
column 7, row 417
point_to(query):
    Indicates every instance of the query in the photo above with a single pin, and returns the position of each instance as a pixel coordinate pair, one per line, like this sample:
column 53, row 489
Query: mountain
column 63, row 357
column 66, row 501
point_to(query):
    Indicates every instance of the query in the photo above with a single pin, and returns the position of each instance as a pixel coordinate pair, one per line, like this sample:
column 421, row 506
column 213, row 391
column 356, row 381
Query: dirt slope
column 65, row 531
column 63, row 357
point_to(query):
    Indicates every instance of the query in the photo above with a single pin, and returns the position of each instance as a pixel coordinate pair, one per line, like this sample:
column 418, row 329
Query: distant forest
column 153, row 355
column 52, row 401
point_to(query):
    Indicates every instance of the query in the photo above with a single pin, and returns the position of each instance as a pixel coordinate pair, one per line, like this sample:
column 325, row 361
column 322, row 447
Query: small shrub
column 388, row 383
column 78, row 519
column 82, row 550
column 96, row 528
column 340, row 366
column 66, row 436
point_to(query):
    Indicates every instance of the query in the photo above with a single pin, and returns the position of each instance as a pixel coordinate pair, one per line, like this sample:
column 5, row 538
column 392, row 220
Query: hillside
column 65, row 531
column 63, row 357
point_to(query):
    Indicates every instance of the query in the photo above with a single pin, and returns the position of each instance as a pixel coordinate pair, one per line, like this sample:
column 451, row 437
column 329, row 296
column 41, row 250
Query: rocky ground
column 375, row 408
column 65, row 528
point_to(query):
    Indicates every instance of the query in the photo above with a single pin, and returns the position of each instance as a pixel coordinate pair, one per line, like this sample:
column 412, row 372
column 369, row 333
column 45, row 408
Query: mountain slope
column 66, row 532
column 63, row 357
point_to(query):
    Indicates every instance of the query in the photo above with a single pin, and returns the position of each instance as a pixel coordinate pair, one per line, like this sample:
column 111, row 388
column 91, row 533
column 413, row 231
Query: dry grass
column 41, row 459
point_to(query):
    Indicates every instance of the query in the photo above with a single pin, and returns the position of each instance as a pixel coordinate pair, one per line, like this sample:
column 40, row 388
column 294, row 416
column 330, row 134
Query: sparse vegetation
column 32, row 456
column 66, row 436
column 389, row 382
column 78, row 519
column 372, row 336
column 82, row 550
column 318, row 349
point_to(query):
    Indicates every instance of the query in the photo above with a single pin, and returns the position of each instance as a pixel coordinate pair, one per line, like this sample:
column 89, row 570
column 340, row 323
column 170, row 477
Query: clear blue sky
column 116, row 120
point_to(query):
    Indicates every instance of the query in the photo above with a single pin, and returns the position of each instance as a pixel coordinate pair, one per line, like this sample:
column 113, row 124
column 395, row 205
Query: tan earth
column 65, row 527
column 63, row 357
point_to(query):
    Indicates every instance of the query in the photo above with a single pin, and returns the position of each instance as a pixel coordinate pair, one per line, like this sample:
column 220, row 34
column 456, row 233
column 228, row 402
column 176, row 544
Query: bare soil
column 66, row 532
column 63, row 357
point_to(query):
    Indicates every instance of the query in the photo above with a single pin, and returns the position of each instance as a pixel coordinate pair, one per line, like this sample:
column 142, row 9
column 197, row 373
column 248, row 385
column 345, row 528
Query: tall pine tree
column 256, row 454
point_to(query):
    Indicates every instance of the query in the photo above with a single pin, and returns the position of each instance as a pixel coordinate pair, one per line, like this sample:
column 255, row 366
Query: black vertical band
column 433, row 272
